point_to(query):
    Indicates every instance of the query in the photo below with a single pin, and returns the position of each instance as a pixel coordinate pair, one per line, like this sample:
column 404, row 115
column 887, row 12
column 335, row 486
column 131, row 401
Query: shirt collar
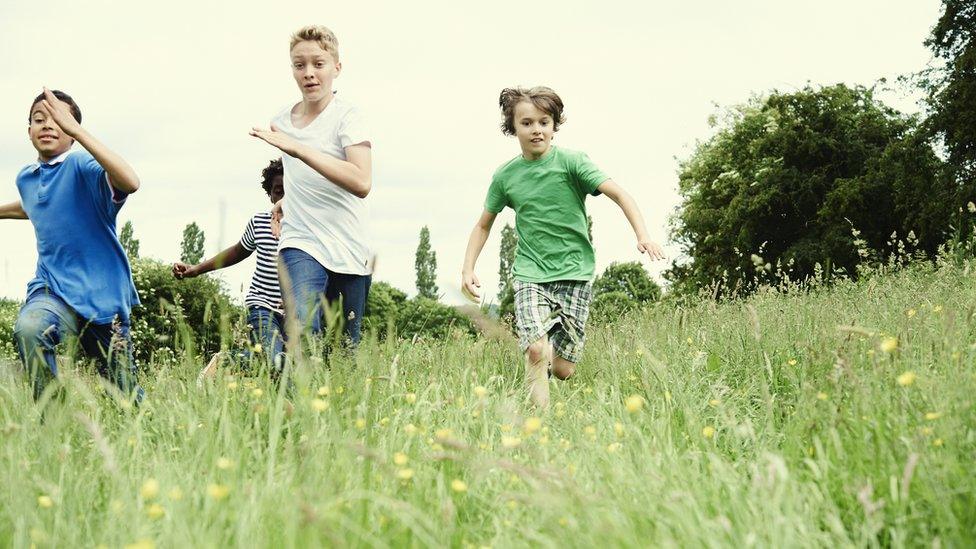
column 56, row 160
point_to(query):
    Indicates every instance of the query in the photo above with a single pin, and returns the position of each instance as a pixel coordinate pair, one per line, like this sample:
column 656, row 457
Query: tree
column 631, row 278
column 383, row 305
column 426, row 266
column 506, row 259
column 191, row 248
column 789, row 179
column 951, row 88
column 128, row 240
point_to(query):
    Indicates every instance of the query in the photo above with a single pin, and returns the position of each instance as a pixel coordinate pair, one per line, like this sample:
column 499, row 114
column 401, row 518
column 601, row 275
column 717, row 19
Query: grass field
column 842, row 416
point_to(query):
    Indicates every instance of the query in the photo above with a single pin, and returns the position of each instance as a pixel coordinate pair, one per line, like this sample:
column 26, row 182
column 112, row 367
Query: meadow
column 840, row 415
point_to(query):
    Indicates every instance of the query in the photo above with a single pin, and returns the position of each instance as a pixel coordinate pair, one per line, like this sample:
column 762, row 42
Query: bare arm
column 632, row 213
column 226, row 258
column 13, row 210
column 120, row 173
column 476, row 242
column 355, row 174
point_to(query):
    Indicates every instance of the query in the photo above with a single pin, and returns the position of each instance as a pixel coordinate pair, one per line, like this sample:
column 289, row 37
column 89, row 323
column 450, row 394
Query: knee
column 563, row 370
column 537, row 351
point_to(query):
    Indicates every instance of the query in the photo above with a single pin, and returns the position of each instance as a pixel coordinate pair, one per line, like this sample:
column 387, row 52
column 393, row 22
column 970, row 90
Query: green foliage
column 621, row 288
column 609, row 307
column 426, row 266
column 8, row 316
column 191, row 315
column 191, row 247
column 951, row 89
column 506, row 260
column 383, row 305
column 128, row 240
column 782, row 187
column 431, row 319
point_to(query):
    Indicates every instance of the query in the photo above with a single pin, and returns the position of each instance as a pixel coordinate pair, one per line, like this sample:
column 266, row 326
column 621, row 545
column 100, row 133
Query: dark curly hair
column 544, row 99
column 75, row 110
column 274, row 168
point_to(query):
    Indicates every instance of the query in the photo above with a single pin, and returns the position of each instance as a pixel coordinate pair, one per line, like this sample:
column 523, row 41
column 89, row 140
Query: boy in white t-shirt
column 324, row 248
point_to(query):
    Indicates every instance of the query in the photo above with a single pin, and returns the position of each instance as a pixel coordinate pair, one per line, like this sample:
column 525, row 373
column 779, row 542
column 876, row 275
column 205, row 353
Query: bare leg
column 562, row 368
column 537, row 372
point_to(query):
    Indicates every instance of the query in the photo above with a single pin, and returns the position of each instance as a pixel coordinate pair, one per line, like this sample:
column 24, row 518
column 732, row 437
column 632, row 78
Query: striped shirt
column 264, row 290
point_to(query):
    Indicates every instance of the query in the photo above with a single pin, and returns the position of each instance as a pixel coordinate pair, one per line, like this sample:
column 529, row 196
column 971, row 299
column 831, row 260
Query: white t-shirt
column 321, row 218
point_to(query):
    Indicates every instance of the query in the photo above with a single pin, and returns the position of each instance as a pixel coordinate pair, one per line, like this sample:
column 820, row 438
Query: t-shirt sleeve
column 497, row 199
column 96, row 178
column 353, row 130
column 247, row 239
column 588, row 175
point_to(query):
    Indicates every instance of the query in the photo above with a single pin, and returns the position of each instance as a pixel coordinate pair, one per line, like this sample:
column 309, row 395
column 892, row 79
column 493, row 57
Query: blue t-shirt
column 73, row 207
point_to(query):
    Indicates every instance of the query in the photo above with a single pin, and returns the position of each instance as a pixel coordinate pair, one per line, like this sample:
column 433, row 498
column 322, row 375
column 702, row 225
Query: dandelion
column 667, row 396
column 932, row 416
column 400, row 458
column 360, row 423
column 257, row 392
column 384, row 421
column 906, row 378
column 410, row 429
column 512, row 504
column 231, row 385
column 634, row 403
column 708, row 431
column 405, row 474
column 791, row 362
column 340, row 389
column 410, row 398
column 714, row 402
column 888, row 345
column 323, row 391
column 150, row 489
column 511, row 442
column 319, row 405
column 45, row 502
column 927, row 431
column 618, row 429
column 175, row 494
column 442, row 434
column 910, row 313
column 937, row 309
column 613, row 447
column 224, row 464
column 821, row 396
column 480, row 392
column 937, row 442
column 258, row 348
column 459, row 485
column 532, row 425
column 218, row 492
column 155, row 511
column 590, row 431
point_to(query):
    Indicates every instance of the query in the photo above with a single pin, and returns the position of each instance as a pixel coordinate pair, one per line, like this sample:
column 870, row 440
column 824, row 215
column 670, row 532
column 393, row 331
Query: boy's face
column 277, row 189
column 534, row 129
column 314, row 70
column 46, row 136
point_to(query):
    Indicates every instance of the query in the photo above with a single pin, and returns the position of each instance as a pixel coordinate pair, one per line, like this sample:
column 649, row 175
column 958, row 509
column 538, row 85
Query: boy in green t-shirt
column 553, row 271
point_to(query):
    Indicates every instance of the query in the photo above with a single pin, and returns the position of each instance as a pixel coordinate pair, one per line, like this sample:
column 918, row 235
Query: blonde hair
column 325, row 38
column 544, row 99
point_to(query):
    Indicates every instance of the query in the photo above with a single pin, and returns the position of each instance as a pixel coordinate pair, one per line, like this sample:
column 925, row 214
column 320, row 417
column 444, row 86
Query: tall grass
column 836, row 416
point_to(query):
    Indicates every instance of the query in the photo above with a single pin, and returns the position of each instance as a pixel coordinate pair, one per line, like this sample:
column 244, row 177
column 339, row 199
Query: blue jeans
column 307, row 282
column 267, row 330
column 46, row 320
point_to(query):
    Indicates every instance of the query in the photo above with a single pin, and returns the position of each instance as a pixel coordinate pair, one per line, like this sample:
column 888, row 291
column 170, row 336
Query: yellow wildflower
column 410, row 398
column 714, row 402
column 400, row 458
column 910, row 313
column 155, row 511
column 511, row 442
column 618, row 429
column 405, row 474
column 634, row 403
column 937, row 442
column 175, row 494
column 590, row 431
column 708, row 431
column 410, row 429
column 442, row 434
column 613, row 447
column 932, row 416
column 258, row 348
column 906, row 378
column 323, row 391
column 150, row 489
column 224, row 464
column 45, row 502
column 360, row 423
column 319, row 405
column 257, row 392
column 480, row 392
column 231, row 385
column 889, row 344
column 532, row 425
column 821, row 396
column 458, row 485
column 218, row 492
column 791, row 362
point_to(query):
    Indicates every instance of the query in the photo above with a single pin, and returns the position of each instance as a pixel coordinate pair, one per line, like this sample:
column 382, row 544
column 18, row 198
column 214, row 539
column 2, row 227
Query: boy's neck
column 531, row 156
column 315, row 108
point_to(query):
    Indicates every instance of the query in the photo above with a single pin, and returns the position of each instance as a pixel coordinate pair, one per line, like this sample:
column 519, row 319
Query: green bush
column 193, row 315
column 8, row 316
column 382, row 307
column 430, row 319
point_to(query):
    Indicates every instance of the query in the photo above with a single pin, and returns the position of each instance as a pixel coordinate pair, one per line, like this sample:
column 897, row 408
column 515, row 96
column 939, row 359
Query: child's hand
column 651, row 248
column 470, row 286
column 60, row 112
column 277, row 212
column 182, row 270
column 276, row 139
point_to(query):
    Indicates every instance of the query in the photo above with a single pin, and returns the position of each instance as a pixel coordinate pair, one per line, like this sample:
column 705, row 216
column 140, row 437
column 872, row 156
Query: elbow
column 362, row 190
column 133, row 185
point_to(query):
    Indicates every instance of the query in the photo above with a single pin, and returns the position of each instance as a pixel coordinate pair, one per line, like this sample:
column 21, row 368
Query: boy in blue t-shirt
column 83, row 285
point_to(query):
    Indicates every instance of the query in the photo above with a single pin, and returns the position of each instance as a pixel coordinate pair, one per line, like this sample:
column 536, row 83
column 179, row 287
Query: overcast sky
column 175, row 86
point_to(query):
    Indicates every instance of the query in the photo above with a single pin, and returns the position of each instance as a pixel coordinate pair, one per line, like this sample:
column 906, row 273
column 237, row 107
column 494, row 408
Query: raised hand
column 651, row 248
column 182, row 270
column 60, row 113
column 277, row 139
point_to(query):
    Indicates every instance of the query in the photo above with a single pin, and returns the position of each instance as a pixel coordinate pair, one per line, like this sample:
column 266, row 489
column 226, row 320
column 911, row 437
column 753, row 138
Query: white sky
column 175, row 86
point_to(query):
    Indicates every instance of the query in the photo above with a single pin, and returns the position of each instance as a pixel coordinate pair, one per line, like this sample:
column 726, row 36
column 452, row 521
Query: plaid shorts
column 557, row 309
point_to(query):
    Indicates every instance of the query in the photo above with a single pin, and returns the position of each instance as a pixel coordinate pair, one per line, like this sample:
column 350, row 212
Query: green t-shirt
column 548, row 197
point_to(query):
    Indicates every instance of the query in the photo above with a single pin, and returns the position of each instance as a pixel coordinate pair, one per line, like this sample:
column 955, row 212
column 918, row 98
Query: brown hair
column 544, row 99
column 325, row 38
column 75, row 110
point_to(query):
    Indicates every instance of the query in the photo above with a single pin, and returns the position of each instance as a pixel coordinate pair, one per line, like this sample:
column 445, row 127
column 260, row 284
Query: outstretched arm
column 120, row 173
column 479, row 235
column 231, row 256
column 355, row 174
column 632, row 213
column 13, row 210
